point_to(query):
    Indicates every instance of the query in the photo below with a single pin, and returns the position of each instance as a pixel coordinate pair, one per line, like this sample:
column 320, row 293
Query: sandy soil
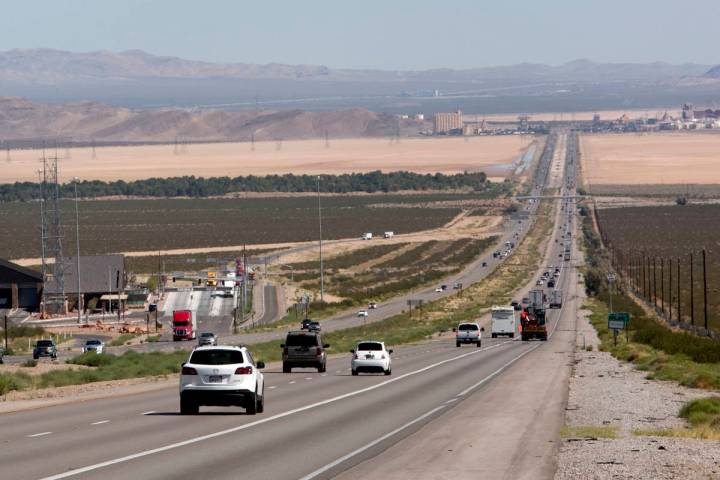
column 425, row 155
column 651, row 158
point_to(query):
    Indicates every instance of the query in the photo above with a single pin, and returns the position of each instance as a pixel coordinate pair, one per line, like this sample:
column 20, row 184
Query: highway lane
column 510, row 428
column 77, row 437
column 350, row 419
column 472, row 273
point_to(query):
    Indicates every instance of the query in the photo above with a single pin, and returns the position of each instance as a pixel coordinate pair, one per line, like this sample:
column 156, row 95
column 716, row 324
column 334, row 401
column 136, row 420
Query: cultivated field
column 660, row 158
column 422, row 155
column 672, row 232
column 153, row 225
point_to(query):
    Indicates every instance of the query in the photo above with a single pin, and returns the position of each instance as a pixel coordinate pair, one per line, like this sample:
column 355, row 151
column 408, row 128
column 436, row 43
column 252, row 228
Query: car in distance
column 305, row 324
column 438, row 289
column 207, row 338
column 516, row 305
column 221, row 376
column 372, row 305
column 371, row 357
column 45, row 348
column 314, row 326
column 468, row 333
column 362, row 313
column 93, row 345
column 303, row 349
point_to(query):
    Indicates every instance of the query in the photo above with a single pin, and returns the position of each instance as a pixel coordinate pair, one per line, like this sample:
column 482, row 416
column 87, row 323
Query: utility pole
column 692, row 298
column 679, row 311
column 670, row 291
column 705, row 291
column 654, row 280
column 77, row 242
column 322, row 272
column 662, row 285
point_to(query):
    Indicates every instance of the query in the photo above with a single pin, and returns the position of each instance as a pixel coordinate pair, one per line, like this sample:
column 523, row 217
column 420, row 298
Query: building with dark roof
column 99, row 275
column 20, row 287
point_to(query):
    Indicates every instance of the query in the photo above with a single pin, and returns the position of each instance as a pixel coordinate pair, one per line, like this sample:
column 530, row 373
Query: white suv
column 371, row 356
column 221, row 376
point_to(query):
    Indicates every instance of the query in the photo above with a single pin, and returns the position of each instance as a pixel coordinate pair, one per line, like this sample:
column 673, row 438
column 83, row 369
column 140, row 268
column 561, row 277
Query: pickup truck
column 468, row 333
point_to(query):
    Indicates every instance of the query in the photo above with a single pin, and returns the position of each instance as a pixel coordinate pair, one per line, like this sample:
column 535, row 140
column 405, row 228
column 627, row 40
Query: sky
column 382, row 34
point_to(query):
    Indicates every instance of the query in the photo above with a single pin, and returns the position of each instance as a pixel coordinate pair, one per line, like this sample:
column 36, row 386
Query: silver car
column 207, row 338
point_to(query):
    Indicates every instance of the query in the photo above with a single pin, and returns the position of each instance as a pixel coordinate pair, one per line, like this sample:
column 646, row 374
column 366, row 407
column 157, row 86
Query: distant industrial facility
column 445, row 123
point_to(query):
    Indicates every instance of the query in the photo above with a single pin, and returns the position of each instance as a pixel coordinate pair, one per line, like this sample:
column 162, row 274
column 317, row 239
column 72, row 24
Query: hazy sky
column 386, row 34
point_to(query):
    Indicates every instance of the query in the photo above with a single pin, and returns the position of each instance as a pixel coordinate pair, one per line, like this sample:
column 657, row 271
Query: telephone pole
column 322, row 273
column 77, row 242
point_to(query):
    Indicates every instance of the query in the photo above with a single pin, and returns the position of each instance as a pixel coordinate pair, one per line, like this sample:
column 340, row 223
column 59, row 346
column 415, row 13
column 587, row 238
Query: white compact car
column 221, row 376
column 362, row 313
column 93, row 345
column 371, row 356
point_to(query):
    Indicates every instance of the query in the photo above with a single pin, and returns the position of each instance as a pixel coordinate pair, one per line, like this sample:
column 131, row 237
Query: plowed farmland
column 665, row 234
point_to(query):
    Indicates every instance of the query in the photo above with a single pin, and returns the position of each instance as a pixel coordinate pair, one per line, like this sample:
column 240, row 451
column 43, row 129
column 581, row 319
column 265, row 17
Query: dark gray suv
column 304, row 349
column 45, row 348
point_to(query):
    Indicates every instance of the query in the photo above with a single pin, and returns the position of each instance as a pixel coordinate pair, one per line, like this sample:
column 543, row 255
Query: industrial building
column 445, row 123
column 102, row 277
column 20, row 287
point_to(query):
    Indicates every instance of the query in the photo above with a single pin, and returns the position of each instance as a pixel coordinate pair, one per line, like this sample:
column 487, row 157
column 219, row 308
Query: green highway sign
column 618, row 320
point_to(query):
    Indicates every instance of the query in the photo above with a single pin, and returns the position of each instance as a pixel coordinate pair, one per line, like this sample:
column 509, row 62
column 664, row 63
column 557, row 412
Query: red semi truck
column 184, row 325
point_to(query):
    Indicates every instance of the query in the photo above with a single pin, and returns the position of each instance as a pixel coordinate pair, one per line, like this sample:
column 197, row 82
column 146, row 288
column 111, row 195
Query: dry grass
column 661, row 158
column 589, row 431
column 430, row 155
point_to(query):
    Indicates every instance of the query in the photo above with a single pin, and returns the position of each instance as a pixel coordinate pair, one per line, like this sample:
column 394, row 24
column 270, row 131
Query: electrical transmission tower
column 51, row 232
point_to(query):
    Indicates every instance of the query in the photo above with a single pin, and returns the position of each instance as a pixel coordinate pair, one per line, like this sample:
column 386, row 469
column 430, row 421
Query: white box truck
column 367, row 236
column 389, row 234
column 556, row 299
column 503, row 321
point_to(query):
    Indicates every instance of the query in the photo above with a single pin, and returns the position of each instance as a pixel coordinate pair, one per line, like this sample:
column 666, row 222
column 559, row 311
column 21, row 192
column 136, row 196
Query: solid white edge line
column 340, row 460
column 41, row 434
column 149, row 412
column 100, row 422
column 190, row 441
column 371, row 444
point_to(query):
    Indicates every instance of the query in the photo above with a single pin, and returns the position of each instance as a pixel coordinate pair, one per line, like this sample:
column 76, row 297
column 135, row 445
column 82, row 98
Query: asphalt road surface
column 321, row 425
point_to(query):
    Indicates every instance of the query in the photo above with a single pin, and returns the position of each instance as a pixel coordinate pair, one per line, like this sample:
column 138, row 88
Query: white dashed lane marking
column 100, row 422
column 41, row 434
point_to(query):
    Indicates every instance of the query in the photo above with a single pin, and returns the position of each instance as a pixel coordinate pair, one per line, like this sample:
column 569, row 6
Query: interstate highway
column 315, row 425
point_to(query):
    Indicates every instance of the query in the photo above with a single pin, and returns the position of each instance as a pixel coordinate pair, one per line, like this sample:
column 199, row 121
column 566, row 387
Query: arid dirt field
column 447, row 155
column 691, row 157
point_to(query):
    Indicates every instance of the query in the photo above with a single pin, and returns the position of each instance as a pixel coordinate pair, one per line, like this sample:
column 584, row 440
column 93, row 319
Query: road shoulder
column 613, row 398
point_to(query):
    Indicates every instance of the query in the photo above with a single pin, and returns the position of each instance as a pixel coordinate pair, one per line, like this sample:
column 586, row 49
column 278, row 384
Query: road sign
column 611, row 277
column 618, row 320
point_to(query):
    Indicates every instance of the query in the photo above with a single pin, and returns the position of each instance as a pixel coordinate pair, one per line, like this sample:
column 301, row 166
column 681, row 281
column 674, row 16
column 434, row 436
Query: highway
column 515, row 231
column 501, row 406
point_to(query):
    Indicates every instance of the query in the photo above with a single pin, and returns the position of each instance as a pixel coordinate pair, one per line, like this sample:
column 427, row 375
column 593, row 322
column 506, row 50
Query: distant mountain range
column 139, row 80
column 25, row 123
column 50, row 67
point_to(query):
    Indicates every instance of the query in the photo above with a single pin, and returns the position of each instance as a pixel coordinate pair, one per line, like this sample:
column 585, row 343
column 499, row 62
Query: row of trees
column 199, row 187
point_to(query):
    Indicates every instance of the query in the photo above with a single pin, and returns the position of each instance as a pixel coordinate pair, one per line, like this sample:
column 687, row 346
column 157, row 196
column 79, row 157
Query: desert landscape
column 662, row 158
column 431, row 155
